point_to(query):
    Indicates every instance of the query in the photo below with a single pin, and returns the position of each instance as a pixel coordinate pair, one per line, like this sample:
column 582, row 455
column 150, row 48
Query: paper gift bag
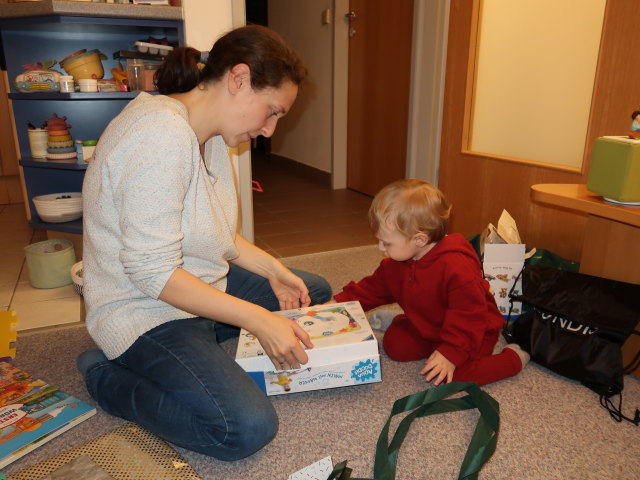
column 502, row 264
column 503, row 255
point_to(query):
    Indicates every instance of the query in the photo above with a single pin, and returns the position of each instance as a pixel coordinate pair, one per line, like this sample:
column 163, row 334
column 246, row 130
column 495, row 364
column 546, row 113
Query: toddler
column 449, row 314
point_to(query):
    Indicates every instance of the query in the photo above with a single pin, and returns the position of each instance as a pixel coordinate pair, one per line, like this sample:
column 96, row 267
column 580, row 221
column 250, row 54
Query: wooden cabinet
column 39, row 31
column 10, row 191
column 610, row 244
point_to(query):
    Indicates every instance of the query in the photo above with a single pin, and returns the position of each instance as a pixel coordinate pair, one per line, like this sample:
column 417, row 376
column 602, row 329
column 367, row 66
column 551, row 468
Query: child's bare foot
column 524, row 356
column 381, row 318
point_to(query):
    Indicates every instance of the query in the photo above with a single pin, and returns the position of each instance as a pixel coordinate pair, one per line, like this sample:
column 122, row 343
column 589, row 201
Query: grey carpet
column 552, row 428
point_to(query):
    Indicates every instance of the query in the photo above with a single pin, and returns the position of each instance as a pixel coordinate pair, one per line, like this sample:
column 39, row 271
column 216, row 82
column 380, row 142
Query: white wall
column 430, row 28
column 309, row 122
column 204, row 22
column 340, row 94
column 535, row 71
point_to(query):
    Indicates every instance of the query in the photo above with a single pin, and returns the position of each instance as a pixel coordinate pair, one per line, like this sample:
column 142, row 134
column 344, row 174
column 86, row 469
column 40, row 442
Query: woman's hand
column 287, row 287
column 438, row 368
column 290, row 290
column 280, row 338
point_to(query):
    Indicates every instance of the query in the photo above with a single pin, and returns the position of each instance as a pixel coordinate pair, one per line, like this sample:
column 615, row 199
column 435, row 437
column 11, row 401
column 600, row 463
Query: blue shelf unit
column 27, row 40
column 40, row 175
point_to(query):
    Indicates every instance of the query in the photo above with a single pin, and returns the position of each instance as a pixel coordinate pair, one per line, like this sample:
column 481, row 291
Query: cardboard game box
column 345, row 351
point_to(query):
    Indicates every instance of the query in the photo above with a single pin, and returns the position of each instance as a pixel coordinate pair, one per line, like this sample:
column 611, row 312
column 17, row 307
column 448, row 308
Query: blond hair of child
column 411, row 206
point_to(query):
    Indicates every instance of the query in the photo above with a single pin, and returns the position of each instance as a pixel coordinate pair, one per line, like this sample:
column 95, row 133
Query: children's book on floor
column 33, row 412
column 345, row 351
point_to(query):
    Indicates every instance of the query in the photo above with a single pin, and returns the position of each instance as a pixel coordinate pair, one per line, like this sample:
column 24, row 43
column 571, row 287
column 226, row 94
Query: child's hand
column 438, row 368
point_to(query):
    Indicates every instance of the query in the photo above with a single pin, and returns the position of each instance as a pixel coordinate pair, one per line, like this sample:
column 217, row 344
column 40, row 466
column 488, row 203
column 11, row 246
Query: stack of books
column 33, row 412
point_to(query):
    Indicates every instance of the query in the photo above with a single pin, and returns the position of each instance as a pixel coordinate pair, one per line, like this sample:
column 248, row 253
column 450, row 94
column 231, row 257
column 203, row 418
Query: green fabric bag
column 430, row 402
column 541, row 257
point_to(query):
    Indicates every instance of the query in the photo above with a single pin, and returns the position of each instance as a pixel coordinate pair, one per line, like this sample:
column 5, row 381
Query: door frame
column 241, row 155
column 426, row 98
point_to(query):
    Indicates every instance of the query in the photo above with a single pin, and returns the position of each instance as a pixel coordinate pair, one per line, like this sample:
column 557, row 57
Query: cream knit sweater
column 151, row 205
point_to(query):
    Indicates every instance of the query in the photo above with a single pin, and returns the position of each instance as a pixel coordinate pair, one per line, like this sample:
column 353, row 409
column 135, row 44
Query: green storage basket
column 50, row 263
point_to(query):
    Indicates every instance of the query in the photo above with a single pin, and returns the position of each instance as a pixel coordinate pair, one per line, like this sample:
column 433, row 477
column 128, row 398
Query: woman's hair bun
column 179, row 72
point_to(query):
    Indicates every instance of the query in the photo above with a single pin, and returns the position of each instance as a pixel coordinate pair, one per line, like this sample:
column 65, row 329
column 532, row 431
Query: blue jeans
column 178, row 383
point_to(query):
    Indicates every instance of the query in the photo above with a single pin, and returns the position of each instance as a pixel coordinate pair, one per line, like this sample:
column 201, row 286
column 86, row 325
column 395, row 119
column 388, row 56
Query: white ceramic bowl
column 59, row 207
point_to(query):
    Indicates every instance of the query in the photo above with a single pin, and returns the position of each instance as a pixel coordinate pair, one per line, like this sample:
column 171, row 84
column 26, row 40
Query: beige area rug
column 339, row 267
column 551, row 428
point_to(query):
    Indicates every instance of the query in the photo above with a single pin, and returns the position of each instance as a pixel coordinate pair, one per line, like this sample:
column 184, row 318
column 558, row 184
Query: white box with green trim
column 345, row 351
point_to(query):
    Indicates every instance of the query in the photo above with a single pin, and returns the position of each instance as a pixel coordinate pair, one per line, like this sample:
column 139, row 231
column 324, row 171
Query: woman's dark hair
column 269, row 58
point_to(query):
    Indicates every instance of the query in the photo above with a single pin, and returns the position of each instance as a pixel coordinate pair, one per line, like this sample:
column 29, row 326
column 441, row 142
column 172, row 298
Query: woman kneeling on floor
column 167, row 278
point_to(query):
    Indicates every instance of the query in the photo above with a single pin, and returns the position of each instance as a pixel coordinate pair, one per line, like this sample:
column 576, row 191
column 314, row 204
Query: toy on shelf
column 8, row 321
column 84, row 64
column 59, row 143
column 120, row 76
column 256, row 187
column 38, row 77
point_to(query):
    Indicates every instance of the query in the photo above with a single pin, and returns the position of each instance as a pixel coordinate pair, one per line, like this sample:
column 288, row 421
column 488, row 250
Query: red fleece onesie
column 447, row 306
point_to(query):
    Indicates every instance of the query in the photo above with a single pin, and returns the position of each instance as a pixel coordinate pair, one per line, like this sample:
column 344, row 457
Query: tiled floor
column 35, row 308
column 293, row 216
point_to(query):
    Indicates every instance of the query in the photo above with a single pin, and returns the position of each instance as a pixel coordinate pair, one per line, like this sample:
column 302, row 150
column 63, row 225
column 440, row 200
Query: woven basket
column 76, row 276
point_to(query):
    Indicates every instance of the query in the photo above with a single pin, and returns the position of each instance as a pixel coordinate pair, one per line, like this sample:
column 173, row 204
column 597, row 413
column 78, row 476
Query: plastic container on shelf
column 50, row 263
column 88, row 147
column 108, row 85
column 88, row 84
column 150, row 69
column 153, row 48
column 67, row 84
column 38, row 138
column 135, row 74
column 76, row 277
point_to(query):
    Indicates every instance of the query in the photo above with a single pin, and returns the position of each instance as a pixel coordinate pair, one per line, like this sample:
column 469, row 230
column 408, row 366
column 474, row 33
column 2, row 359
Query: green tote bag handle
column 431, row 402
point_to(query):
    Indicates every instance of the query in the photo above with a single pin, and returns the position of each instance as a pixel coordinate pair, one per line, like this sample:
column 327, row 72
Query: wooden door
column 378, row 92
column 480, row 186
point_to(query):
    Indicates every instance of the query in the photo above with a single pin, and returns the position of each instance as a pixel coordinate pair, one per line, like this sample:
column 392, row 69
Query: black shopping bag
column 575, row 326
